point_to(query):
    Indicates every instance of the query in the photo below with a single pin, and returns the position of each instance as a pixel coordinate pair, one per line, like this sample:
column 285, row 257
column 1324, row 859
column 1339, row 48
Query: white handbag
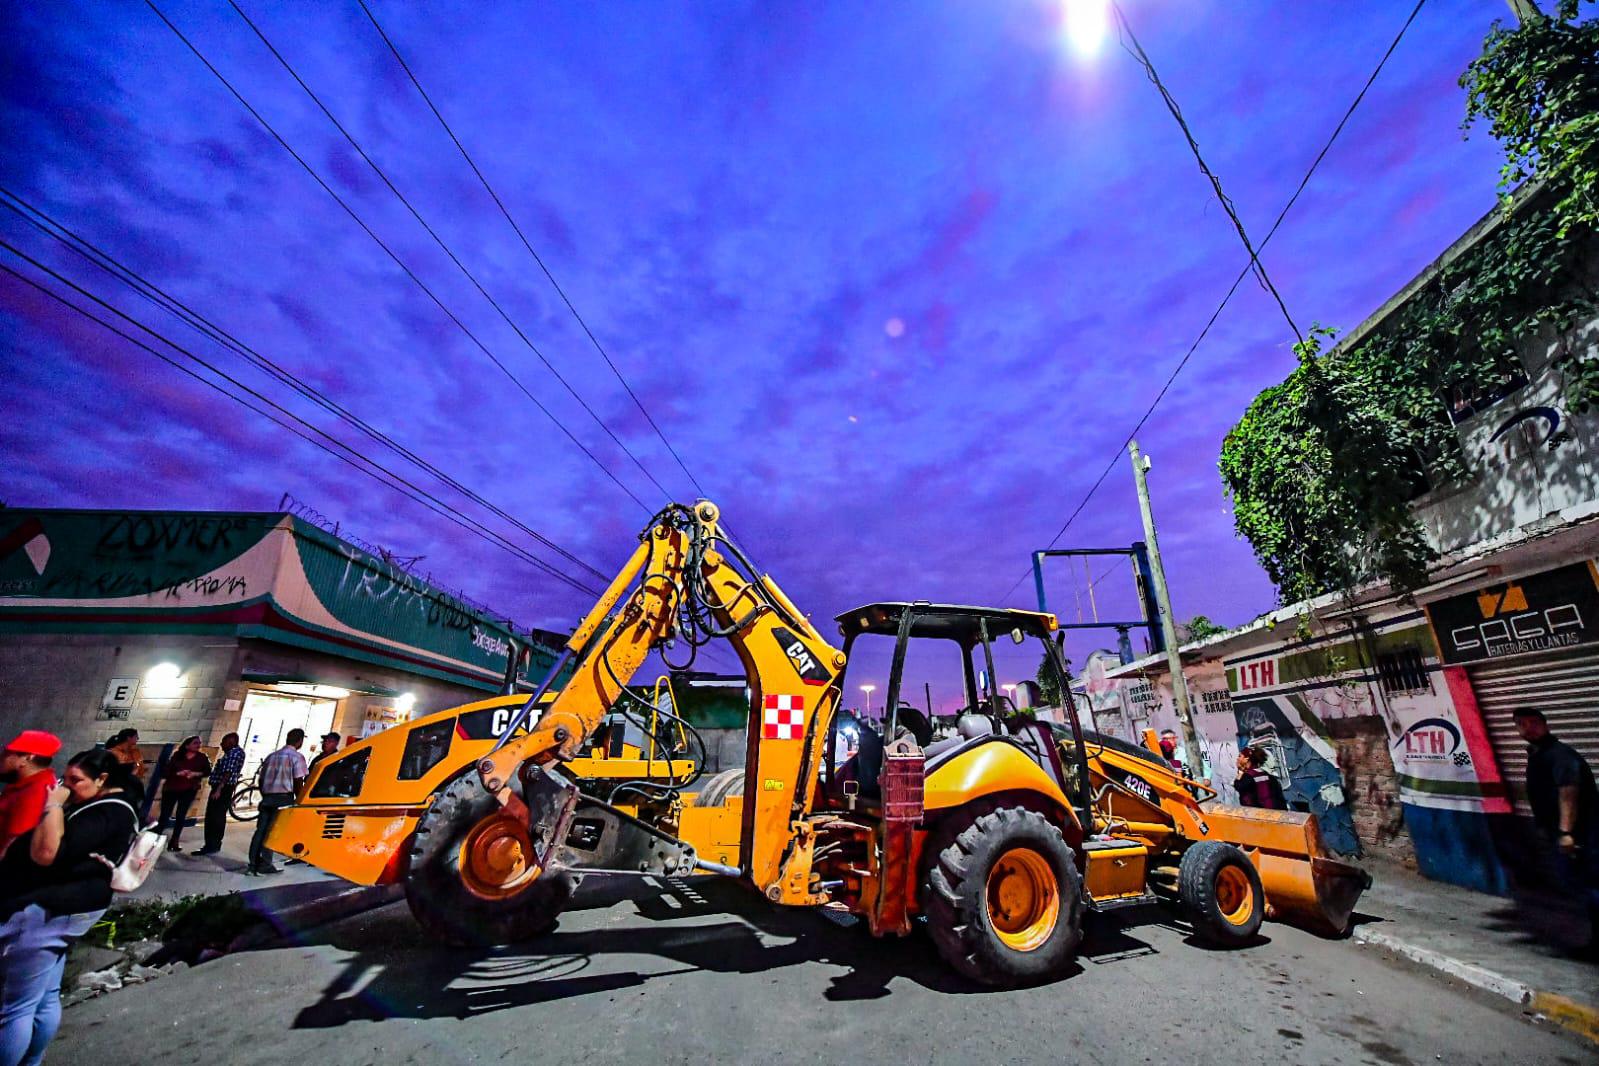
column 135, row 867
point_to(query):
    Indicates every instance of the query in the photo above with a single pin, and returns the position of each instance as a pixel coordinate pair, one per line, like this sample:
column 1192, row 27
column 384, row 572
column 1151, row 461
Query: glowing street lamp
column 868, row 689
column 1087, row 22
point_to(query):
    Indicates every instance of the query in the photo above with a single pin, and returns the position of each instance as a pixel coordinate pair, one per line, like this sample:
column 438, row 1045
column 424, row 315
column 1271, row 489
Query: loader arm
column 681, row 587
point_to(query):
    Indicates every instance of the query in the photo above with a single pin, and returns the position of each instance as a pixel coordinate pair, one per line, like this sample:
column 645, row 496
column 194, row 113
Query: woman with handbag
column 55, row 883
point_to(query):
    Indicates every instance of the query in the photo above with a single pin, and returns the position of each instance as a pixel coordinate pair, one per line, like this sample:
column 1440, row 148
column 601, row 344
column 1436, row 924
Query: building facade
column 184, row 623
column 1390, row 716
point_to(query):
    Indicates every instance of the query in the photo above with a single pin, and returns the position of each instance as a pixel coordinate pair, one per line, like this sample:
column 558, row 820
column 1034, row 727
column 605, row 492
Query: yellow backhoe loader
column 995, row 839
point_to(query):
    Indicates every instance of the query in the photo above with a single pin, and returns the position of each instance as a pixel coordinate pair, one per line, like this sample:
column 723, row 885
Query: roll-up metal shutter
column 1564, row 685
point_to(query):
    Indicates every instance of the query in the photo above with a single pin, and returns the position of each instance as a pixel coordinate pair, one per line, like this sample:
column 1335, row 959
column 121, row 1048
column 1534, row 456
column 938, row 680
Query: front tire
column 469, row 879
column 1003, row 897
column 1221, row 893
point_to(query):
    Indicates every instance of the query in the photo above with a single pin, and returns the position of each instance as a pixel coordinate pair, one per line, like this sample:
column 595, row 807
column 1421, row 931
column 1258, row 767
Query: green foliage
column 1318, row 485
column 1322, row 468
column 1537, row 86
column 206, row 920
column 1199, row 627
column 1051, row 688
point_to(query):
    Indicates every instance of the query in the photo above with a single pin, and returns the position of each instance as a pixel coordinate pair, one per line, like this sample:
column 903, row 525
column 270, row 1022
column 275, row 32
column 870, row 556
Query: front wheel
column 1220, row 891
column 1003, row 896
column 470, row 877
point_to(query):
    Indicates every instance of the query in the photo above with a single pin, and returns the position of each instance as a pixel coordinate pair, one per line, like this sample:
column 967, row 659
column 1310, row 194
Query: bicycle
column 246, row 805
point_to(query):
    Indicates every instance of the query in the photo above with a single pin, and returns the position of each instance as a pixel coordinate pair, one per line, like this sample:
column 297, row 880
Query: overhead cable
column 186, row 314
column 499, row 203
column 354, row 458
column 267, row 126
column 448, row 251
column 1226, row 299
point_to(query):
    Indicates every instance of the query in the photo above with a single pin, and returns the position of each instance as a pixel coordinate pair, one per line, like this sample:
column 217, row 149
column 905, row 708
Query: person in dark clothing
column 55, row 883
column 1255, row 784
column 330, row 748
column 187, row 767
column 224, row 779
column 1565, row 806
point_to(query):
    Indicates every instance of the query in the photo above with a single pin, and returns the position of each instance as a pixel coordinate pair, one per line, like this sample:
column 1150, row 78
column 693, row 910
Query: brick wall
column 1371, row 787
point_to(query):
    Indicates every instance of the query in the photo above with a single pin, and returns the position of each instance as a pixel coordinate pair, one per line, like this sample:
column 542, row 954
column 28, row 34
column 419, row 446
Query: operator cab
column 928, row 644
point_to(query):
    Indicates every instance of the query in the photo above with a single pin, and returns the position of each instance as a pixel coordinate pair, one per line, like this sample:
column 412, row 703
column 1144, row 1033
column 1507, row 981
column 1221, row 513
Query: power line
column 1239, row 280
column 1129, row 43
column 157, row 296
column 431, row 232
column 528, row 245
column 392, row 255
column 372, row 468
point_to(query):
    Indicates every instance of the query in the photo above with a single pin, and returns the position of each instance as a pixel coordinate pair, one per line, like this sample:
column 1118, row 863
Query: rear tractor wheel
column 1221, row 894
column 1003, row 896
column 471, row 877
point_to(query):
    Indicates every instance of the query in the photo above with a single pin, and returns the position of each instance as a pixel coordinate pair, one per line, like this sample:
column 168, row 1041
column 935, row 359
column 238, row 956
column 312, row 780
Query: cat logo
column 810, row 670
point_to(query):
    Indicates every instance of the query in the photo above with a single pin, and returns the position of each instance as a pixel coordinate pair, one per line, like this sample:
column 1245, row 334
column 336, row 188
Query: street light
column 1087, row 22
column 868, row 689
column 1010, row 692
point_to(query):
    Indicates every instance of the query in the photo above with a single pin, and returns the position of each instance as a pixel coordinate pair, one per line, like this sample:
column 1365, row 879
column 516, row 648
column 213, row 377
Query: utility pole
column 1525, row 10
column 1168, row 627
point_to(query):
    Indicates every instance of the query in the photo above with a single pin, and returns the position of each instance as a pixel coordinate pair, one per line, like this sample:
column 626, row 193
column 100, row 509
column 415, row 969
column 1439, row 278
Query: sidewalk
column 1517, row 947
column 297, row 899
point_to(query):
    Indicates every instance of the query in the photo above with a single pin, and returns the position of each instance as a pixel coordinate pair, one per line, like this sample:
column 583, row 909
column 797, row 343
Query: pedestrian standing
column 1565, row 806
column 129, row 772
column 223, row 780
column 25, row 769
column 1255, row 784
column 282, row 773
column 330, row 747
column 55, row 883
column 187, row 767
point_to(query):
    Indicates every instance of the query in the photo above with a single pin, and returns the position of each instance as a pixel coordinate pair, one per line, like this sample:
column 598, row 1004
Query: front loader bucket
column 1304, row 885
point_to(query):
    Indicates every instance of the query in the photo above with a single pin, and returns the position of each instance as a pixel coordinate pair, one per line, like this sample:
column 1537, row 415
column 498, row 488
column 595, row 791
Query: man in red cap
column 25, row 769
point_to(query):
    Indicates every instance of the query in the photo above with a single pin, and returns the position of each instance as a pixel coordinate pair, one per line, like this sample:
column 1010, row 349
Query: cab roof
column 946, row 621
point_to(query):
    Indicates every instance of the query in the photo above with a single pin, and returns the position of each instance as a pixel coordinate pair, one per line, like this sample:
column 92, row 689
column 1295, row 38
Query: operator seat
column 968, row 728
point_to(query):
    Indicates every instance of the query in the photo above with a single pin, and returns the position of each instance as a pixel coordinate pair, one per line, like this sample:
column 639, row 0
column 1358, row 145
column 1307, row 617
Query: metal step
column 1105, row 906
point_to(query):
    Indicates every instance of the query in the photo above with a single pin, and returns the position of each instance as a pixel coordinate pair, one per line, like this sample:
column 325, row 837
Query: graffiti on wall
column 1301, row 757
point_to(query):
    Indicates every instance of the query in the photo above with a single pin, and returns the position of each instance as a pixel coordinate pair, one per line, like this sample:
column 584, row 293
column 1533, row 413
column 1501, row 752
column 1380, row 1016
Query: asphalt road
column 705, row 972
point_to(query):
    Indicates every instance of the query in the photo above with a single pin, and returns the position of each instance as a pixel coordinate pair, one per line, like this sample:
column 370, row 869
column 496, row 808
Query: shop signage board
column 1554, row 609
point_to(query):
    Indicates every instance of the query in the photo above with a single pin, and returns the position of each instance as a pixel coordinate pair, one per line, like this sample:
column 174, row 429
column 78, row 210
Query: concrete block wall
column 58, row 682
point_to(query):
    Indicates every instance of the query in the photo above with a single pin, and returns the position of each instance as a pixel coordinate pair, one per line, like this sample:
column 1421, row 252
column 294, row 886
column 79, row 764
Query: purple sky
column 895, row 279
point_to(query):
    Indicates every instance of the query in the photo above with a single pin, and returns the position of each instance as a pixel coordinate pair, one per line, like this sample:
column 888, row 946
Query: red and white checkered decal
column 783, row 718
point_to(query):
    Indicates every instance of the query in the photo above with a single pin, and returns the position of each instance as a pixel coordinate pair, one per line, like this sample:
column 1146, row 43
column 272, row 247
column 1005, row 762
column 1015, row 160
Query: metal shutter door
column 1564, row 685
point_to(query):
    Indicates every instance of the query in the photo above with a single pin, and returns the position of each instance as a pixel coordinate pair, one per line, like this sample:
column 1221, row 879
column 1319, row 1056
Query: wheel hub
column 1233, row 896
column 1023, row 899
column 497, row 858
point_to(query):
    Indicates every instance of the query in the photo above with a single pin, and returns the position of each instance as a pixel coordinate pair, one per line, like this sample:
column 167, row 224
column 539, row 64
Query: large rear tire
column 1003, row 896
column 719, row 787
column 467, row 876
column 1221, row 893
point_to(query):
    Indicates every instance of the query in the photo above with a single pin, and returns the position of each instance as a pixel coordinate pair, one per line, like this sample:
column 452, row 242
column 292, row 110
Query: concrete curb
column 302, row 917
column 1580, row 1018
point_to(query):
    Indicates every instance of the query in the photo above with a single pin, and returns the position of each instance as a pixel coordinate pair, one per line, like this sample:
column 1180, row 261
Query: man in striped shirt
column 282, row 774
column 224, row 779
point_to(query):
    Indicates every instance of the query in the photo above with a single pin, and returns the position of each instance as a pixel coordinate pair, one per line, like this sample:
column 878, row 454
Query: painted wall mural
column 1302, row 757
